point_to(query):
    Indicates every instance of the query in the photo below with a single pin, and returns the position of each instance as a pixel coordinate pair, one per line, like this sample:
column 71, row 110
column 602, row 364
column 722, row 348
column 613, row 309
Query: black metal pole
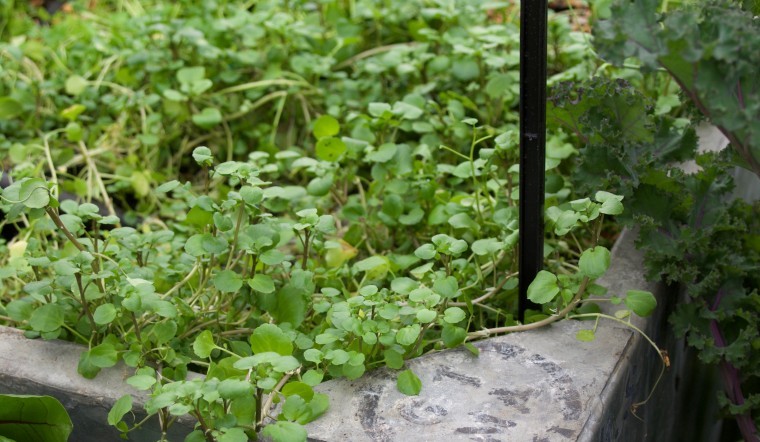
column 532, row 143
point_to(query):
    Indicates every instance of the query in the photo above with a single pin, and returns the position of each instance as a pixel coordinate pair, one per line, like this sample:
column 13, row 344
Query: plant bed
column 336, row 193
column 543, row 383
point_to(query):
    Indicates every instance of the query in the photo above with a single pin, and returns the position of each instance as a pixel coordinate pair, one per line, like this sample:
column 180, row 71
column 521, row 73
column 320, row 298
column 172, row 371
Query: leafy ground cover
column 274, row 194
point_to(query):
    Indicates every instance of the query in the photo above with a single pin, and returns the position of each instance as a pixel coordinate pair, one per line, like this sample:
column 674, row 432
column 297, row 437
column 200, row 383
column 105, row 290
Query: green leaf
column 594, row 262
column 408, row 383
column 75, row 85
column 34, row 193
column 284, row 431
column 312, row 377
column 640, row 302
column 393, row 359
column 104, row 355
column 227, row 281
column 544, row 288
column 234, row 388
column 233, row 434
column 167, row 186
column 208, row 118
column 378, row 109
column 270, row 338
column 453, row 315
column 453, row 336
column 190, row 75
column 486, row 246
column 72, row 112
column 585, row 335
column 104, row 314
column 408, row 335
column 383, row 154
column 447, row 287
column 141, row 381
column 425, row 251
column 404, row 285
column 204, row 344
column 262, row 283
column 33, row 418
column 9, row 108
column 330, row 149
column 202, row 155
column 121, row 407
column 376, row 267
column 47, row 318
column 425, row 315
column 611, row 203
column 326, row 126
column 463, row 221
column 298, row 388
column 64, row 267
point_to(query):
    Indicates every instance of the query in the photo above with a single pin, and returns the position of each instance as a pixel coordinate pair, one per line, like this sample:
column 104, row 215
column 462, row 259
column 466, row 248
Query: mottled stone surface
column 531, row 386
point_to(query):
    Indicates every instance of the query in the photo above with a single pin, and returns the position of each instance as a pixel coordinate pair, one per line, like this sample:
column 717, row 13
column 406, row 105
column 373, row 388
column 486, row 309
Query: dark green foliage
column 709, row 47
column 692, row 232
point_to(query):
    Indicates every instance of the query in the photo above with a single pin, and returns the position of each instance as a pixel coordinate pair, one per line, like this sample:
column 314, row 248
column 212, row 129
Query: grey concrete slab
column 528, row 386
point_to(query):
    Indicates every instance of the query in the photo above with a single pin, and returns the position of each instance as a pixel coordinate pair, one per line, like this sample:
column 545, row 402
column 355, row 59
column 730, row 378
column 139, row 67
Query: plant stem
column 270, row 398
column 538, row 324
column 204, row 426
column 85, row 304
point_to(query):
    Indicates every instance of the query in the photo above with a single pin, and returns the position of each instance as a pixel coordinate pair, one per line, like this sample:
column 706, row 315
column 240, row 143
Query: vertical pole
column 532, row 143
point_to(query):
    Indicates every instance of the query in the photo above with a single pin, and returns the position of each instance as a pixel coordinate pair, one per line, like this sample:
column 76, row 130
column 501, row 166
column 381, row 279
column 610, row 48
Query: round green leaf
column 104, row 314
column 640, row 302
column 426, row 315
column 408, row 383
column 453, row 315
column 34, row 194
column 47, row 318
column 270, row 338
column 202, row 155
column 75, row 85
column 326, row 126
column 103, row 355
column 585, row 335
column 544, row 288
column 227, row 281
column 141, row 382
column 453, row 336
column 408, row 335
column 262, row 283
column 425, row 251
column 208, row 118
column 330, row 149
column 31, row 418
column 594, row 262
column 204, row 344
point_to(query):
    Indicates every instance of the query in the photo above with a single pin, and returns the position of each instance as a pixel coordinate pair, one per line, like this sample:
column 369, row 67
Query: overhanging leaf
column 408, row 383
column 543, row 288
column 31, row 418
